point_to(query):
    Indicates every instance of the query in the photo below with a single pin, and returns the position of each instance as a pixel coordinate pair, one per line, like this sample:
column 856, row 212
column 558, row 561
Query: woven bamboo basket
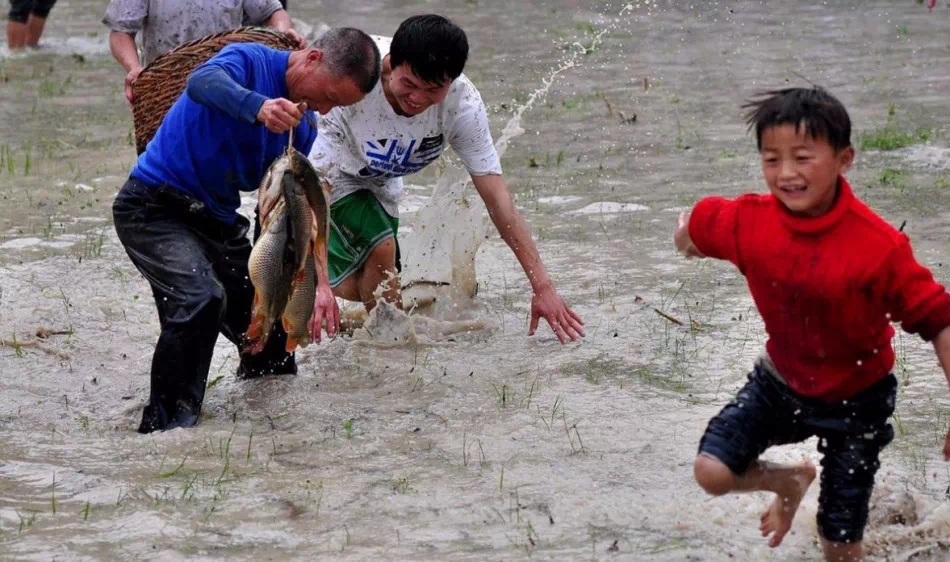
column 163, row 80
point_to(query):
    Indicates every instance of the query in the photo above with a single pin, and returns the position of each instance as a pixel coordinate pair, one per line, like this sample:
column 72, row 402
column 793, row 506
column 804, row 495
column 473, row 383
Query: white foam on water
column 20, row 243
column 410, row 203
column 559, row 199
column 85, row 46
column 609, row 208
column 59, row 244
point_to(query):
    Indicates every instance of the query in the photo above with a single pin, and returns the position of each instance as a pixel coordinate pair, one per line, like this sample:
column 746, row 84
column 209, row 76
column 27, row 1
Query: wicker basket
column 163, row 80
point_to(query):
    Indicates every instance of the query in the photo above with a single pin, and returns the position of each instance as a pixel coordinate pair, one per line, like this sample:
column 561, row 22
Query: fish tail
column 291, row 344
column 292, row 341
column 256, row 336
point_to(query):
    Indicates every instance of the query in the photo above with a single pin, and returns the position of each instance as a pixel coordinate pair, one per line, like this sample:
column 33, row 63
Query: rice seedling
column 402, row 486
column 891, row 138
column 505, row 394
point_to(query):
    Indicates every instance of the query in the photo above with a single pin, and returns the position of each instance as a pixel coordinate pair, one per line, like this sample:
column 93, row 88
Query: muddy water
column 486, row 444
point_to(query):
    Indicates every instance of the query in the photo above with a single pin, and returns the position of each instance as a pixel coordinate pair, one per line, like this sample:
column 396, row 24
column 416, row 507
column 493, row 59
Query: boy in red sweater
column 828, row 277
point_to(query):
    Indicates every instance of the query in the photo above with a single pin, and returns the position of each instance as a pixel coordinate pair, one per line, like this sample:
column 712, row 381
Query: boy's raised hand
column 682, row 240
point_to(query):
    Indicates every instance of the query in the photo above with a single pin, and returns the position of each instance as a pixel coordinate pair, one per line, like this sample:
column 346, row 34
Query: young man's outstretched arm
column 546, row 302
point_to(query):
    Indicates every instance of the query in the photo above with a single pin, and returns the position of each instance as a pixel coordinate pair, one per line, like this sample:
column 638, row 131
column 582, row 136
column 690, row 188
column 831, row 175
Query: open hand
column 681, row 237
column 549, row 305
column 280, row 115
column 326, row 308
column 129, row 80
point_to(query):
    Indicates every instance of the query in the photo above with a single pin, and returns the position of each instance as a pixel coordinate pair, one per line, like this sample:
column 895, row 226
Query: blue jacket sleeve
column 212, row 86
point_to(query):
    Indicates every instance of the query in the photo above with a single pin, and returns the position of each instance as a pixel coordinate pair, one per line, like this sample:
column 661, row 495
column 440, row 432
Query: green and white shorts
column 358, row 223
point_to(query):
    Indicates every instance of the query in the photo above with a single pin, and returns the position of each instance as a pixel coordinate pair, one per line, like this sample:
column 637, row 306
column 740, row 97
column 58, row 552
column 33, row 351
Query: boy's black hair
column 815, row 109
column 435, row 48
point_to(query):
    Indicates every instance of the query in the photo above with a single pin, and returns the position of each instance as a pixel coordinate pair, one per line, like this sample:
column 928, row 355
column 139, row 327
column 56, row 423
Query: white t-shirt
column 369, row 146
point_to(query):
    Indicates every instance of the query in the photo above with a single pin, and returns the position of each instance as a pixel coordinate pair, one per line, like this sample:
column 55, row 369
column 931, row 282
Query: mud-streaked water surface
column 485, row 444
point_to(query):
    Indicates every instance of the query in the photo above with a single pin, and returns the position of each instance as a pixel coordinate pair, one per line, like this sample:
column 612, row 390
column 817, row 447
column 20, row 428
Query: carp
column 283, row 264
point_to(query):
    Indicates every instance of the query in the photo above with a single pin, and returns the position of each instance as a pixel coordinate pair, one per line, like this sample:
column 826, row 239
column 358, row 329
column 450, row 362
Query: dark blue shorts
column 20, row 10
column 851, row 435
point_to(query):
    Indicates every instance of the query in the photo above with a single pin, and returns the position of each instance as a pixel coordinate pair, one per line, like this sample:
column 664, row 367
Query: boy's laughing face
column 802, row 171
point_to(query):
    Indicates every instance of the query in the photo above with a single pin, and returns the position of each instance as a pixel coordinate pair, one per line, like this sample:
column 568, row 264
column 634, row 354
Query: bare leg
column 380, row 264
column 16, row 34
column 349, row 288
column 34, row 29
column 842, row 552
column 789, row 483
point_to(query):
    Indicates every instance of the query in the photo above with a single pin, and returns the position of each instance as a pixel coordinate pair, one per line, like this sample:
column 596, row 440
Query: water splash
column 441, row 248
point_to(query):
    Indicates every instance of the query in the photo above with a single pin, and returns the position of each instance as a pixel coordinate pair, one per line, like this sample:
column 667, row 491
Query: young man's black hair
column 435, row 48
column 815, row 109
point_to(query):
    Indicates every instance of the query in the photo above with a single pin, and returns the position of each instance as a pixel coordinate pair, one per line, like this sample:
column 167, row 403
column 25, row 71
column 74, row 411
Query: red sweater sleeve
column 712, row 228
column 919, row 303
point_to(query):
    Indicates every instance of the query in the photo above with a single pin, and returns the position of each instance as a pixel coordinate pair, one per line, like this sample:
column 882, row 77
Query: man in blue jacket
column 177, row 215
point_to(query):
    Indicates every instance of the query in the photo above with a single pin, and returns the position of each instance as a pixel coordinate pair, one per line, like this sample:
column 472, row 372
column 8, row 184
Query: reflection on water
column 477, row 443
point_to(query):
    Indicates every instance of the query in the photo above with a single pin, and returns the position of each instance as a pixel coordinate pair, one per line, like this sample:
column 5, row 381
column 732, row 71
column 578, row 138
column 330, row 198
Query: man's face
column 414, row 95
column 323, row 90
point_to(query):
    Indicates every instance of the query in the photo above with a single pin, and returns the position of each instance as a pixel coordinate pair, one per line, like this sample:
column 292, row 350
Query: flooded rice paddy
column 483, row 444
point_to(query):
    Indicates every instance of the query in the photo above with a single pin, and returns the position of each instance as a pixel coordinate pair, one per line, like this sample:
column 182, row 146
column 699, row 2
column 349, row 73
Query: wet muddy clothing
column 20, row 10
column 166, row 24
column 197, row 268
column 358, row 224
column 368, row 146
column 827, row 288
column 766, row 413
column 209, row 144
column 177, row 219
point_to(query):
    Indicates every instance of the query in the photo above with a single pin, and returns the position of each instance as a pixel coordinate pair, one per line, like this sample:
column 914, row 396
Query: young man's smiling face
column 413, row 94
column 802, row 171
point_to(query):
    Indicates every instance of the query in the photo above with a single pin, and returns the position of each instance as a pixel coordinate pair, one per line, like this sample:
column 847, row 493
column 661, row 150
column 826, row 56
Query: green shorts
column 358, row 224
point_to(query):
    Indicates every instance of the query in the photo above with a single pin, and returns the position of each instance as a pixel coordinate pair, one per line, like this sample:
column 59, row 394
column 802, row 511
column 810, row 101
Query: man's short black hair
column 435, row 48
column 347, row 51
column 815, row 109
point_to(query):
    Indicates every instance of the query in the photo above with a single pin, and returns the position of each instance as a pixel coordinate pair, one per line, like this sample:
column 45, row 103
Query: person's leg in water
column 380, row 267
column 363, row 250
column 177, row 259
column 37, row 21
column 788, row 482
column 762, row 415
column 16, row 23
column 851, row 440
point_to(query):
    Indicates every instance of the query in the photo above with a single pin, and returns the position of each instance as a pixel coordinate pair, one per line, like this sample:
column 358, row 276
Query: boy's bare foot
column 777, row 519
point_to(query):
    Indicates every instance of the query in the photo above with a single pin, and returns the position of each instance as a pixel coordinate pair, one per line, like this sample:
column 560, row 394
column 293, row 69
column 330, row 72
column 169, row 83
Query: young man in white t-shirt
column 422, row 104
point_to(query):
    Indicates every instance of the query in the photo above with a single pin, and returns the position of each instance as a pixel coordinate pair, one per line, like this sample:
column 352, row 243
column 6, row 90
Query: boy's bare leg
column 380, row 266
column 842, row 551
column 34, row 29
column 788, row 482
column 16, row 34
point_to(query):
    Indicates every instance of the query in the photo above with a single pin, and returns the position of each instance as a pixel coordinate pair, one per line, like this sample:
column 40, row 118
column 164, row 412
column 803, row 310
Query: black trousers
column 197, row 267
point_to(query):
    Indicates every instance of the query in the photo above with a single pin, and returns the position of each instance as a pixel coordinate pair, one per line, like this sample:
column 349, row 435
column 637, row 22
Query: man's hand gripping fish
column 283, row 265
